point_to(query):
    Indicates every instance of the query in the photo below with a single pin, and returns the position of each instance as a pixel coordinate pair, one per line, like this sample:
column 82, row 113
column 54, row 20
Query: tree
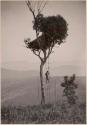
column 69, row 90
column 50, row 31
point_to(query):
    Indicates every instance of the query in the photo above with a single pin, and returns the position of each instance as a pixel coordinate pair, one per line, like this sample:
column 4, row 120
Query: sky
column 16, row 22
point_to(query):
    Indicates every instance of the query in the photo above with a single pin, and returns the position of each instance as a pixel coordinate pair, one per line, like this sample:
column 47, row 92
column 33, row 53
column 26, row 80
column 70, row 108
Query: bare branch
column 33, row 12
column 34, row 5
column 31, row 9
column 44, row 52
column 49, row 52
column 38, row 55
column 44, row 5
column 39, row 6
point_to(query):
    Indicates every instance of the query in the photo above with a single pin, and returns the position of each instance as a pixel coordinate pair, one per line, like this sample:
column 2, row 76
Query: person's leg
column 46, row 79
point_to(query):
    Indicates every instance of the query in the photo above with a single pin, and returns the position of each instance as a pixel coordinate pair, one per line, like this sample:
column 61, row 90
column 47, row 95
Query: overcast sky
column 17, row 25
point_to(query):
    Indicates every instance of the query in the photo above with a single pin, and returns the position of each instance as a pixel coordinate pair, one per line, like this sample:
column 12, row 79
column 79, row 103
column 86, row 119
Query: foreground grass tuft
column 49, row 113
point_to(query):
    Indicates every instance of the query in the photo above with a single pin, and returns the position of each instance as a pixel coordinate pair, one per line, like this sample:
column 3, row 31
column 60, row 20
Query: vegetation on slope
column 59, row 113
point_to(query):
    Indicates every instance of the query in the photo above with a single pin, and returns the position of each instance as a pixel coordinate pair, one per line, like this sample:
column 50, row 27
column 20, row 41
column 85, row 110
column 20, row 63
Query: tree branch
column 43, row 6
column 31, row 9
column 34, row 16
column 37, row 33
column 49, row 52
column 38, row 55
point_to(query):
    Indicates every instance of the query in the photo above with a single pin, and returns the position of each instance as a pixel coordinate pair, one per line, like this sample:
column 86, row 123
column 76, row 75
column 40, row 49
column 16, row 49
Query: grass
column 59, row 113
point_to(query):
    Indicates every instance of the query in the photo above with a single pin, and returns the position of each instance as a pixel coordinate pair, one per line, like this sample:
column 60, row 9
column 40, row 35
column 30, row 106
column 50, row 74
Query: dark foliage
column 53, row 26
column 36, row 44
column 69, row 90
column 53, row 29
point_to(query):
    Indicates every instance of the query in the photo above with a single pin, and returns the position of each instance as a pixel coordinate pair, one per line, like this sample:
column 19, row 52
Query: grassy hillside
column 59, row 113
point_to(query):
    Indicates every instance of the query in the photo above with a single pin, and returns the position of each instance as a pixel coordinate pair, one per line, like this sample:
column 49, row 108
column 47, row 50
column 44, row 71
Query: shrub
column 69, row 89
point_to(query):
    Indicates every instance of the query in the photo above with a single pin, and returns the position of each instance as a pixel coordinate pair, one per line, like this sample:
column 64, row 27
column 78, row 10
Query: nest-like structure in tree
column 53, row 29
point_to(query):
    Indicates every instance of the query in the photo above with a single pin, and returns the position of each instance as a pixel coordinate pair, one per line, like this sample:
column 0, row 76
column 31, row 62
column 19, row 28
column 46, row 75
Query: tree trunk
column 41, row 80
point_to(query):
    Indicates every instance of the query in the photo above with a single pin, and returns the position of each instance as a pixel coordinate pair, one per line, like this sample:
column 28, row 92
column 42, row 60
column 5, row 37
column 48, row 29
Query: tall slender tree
column 50, row 31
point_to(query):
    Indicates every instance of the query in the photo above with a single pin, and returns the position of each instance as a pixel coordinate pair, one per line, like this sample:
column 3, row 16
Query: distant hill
column 17, row 74
column 55, row 70
column 23, row 87
column 68, row 70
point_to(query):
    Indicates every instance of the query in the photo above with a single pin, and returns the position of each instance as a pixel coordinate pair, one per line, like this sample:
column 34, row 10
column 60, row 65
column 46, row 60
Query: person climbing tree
column 47, row 76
